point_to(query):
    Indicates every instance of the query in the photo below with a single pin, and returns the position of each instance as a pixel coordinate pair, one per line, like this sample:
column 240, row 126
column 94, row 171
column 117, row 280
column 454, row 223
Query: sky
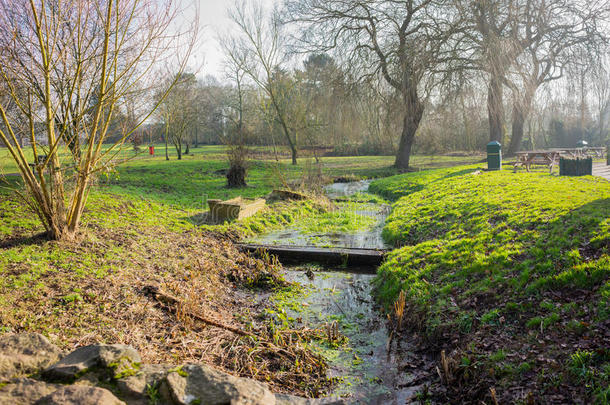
column 213, row 19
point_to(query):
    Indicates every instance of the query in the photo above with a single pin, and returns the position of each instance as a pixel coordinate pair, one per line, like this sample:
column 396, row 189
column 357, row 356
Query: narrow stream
column 367, row 371
column 368, row 237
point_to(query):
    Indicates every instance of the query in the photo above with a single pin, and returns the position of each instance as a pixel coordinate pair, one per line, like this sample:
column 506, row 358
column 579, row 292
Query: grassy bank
column 508, row 272
column 98, row 290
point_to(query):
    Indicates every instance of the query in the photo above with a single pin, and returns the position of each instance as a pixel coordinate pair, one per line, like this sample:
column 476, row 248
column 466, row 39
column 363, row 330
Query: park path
column 601, row 170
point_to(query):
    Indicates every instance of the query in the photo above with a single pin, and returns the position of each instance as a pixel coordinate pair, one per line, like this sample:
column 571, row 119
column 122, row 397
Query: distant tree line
column 387, row 77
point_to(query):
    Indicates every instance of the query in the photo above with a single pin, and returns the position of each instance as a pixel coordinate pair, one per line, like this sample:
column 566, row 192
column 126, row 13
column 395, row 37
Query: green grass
column 188, row 183
column 472, row 245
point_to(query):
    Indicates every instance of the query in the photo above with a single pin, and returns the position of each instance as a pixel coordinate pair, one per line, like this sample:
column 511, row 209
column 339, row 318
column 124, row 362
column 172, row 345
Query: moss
column 178, row 370
column 124, row 368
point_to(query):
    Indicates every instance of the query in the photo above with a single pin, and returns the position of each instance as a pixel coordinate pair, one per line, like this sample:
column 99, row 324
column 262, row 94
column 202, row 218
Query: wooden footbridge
column 351, row 257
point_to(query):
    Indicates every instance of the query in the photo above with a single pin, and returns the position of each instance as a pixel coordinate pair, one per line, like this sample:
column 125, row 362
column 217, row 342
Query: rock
column 148, row 380
column 120, row 360
column 25, row 353
column 25, row 391
column 285, row 399
column 201, row 384
column 80, row 395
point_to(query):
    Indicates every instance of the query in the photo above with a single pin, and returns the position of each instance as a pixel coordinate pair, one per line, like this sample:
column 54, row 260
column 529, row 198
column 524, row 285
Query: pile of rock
column 34, row 371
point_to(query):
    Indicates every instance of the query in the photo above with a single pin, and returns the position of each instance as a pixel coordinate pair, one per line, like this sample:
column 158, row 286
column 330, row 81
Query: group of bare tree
column 418, row 52
column 378, row 72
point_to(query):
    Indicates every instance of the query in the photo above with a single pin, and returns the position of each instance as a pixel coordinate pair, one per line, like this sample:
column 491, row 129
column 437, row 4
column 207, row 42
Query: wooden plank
column 329, row 256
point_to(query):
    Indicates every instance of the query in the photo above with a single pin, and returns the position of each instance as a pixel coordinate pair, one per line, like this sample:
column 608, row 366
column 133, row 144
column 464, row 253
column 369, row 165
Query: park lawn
column 200, row 176
column 188, row 183
column 509, row 273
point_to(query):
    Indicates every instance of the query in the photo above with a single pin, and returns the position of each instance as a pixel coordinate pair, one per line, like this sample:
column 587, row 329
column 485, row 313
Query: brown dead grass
column 205, row 271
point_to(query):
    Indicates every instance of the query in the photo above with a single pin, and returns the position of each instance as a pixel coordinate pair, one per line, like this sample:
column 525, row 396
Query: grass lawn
column 510, row 274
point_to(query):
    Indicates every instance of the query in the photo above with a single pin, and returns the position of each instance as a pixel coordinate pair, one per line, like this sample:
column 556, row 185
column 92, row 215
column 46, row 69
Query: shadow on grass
column 457, row 174
column 18, row 241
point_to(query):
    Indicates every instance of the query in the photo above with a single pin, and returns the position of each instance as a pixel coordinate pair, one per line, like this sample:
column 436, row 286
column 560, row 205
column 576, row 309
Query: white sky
column 213, row 19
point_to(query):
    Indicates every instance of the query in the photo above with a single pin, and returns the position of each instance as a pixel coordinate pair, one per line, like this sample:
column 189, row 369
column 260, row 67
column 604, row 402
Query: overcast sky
column 213, row 20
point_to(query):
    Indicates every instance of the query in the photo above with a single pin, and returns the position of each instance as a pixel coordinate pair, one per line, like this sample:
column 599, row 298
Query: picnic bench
column 529, row 158
column 550, row 157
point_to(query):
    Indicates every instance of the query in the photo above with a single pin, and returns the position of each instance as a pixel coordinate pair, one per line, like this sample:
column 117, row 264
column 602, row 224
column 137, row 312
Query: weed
column 399, row 308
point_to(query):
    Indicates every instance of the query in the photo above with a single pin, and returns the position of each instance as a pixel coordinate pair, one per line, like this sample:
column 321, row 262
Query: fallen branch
column 173, row 303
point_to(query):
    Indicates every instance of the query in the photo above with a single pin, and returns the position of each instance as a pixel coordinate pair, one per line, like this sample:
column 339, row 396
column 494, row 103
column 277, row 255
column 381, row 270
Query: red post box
column 151, row 150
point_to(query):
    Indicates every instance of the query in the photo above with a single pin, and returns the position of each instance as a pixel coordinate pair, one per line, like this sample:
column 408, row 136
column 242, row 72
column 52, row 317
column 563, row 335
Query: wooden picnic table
column 550, row 157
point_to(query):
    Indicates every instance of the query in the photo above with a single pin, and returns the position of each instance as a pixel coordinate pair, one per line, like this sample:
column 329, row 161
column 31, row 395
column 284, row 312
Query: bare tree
column 552, row 35
column 77, row 59
column 178, row 111
column 235, row 137
column 402, row 41
column 262, row 42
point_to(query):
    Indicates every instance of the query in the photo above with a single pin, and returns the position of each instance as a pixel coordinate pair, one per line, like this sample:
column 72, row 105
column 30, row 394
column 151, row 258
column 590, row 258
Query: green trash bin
column 494, row 156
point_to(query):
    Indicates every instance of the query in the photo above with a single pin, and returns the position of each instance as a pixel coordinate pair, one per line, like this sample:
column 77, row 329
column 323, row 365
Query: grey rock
column 25, row 391
column 204, row 385
column 25, row 353
column 80, row 395
column 285, row 399
column 118, row 359
column 149, row 380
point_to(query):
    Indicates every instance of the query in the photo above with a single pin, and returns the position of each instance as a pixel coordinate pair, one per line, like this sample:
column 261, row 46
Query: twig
column 171, row 302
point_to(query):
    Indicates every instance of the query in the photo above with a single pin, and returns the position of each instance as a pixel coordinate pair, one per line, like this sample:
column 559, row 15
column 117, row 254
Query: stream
column 367, row 371
column 369, row 237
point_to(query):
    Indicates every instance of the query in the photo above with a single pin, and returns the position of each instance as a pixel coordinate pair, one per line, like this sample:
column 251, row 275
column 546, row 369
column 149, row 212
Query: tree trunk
column 521, row 110
column 294, row 153
column 413, row 113
column 188, row 149
column 518, row 123
column 495, row 109
column 166, row 152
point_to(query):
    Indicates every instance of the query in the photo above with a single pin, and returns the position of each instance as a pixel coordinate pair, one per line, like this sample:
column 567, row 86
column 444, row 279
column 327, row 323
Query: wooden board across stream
column 365, row 259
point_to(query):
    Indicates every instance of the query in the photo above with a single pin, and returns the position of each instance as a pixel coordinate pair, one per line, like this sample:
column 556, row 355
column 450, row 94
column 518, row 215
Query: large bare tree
column 522, row 44
column 262, row 43
column 552, row 35
column 402, row 41
column 77, row 60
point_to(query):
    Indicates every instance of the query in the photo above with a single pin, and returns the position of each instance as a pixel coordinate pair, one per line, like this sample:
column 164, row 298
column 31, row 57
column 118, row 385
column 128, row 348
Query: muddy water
column 366, row 369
